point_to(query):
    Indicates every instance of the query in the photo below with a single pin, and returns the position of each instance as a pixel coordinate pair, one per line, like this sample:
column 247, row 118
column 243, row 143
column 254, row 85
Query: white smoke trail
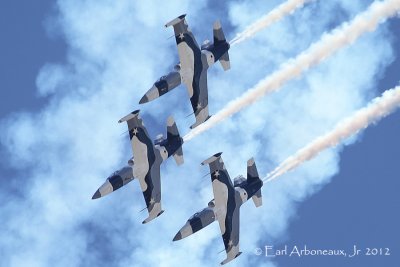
column 379, row 108
column 272, row 17
column 328, row 45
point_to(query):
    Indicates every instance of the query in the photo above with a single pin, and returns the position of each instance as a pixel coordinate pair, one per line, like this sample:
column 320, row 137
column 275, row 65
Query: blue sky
column 70, row 70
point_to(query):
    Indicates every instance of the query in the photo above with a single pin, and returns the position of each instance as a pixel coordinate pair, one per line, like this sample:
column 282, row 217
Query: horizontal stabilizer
column 252, row 173
column 174, row 137
column 225, row 62
column 252, row 176
column 257, row 198
column 172, row 129
column 178, row 156
column 219, row 37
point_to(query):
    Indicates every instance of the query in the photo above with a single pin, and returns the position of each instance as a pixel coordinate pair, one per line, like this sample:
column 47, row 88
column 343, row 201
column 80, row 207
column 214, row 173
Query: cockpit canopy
column 194, row 215
column 131, row 161
column 114, row 174
column 238, row 180
column 162, row 78
column 205, row 44
column 159, row 139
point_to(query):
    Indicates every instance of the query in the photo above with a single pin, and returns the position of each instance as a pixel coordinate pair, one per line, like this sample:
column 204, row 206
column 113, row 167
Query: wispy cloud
column 328, row 45
column 275, row 15
column 379, row 108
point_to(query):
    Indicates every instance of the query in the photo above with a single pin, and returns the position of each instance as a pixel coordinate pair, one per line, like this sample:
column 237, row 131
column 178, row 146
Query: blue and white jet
column 193, row 66
column 225, row 207
column 145, row 165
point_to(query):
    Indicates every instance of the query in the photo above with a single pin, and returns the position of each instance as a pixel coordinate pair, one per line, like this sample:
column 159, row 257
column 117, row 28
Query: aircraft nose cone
column 184, row 232
column 144, row 99
column 96, row 195
column 150, row 95
column 178, row 236
column 103, row 190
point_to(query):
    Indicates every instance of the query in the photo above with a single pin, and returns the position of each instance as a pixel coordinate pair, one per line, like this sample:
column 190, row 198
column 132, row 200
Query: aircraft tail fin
column 219, row 37
column 252, row 173
column 252, row 176
column 175, row 139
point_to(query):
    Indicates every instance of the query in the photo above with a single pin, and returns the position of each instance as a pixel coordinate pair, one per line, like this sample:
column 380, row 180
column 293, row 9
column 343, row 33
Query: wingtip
column 170, row 121
column 250, row 162
column 129, row 116
column 230, row 259
column 150, row 218
column 217, row 24
column 212, row 158
column 218, row 154
column 174, row 21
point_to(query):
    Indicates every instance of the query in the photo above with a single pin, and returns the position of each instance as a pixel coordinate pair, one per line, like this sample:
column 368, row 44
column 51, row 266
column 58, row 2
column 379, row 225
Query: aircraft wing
column 147, row 164
column 199, row 98
column 193, row 68
column 147, row 171
column 230, row 233
column 188, row 49
column 226, row 207
column 151, row 188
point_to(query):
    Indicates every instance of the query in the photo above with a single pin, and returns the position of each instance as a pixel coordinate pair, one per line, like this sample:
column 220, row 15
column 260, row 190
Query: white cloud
column 116, row 51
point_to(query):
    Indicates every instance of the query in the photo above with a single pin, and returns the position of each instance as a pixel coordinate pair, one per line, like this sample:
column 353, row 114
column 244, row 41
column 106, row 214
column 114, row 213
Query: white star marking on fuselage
column 135, row 131
column 181, row 36
column 216, row 173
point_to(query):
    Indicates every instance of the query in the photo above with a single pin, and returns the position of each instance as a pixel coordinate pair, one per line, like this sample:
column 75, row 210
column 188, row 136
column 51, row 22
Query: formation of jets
column 191, row 70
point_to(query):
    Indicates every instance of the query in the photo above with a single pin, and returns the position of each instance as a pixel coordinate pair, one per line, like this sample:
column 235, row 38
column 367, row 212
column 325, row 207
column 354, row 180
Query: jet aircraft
column 225, row 207
column 193, row 66
column 145, row 165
